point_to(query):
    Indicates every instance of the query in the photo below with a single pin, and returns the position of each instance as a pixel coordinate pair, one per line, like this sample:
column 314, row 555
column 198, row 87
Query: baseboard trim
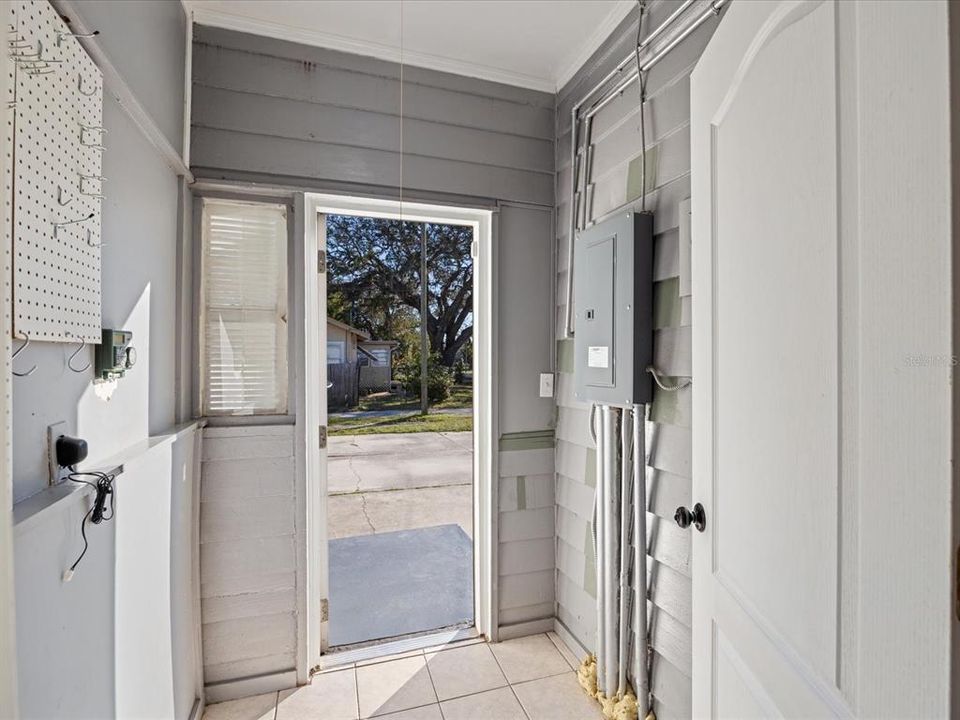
column 245, row 687
column 522, row 629
column 571, row 642
column 199, row 705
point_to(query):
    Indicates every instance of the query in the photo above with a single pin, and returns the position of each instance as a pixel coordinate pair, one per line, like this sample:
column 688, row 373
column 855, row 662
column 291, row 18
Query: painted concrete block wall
column 96, row 616
column 616, row 186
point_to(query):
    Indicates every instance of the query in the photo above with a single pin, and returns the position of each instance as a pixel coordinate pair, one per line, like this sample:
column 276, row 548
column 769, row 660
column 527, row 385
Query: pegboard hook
column 84, row 129
column 57, row 226
column 75, row 353
column 60, row 196
column 61, row 35
column 17, row 352
column 80, row 86
column 40, row 54
column 93, row 244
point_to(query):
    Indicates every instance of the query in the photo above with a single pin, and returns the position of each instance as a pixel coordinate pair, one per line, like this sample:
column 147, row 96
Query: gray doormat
column 398, row 583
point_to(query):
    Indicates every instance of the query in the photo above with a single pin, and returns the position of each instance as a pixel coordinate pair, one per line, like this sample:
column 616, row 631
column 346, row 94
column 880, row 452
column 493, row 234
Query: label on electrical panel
column 598, row 356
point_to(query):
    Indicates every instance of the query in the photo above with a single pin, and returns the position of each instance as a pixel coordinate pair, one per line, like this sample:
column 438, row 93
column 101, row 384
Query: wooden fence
column 343, row 389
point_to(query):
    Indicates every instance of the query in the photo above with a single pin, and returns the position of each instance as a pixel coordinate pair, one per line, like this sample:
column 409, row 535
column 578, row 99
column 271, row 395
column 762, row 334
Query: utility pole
column 424, row 314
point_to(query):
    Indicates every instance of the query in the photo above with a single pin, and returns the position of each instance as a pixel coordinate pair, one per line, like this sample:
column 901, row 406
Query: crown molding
column 593, row 43
column 332, row 41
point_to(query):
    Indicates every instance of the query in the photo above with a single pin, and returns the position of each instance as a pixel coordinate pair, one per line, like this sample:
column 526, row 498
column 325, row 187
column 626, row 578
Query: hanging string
column 401, row 117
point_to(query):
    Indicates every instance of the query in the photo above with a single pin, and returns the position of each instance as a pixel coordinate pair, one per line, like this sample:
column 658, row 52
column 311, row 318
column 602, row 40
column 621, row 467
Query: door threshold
column 339, row 657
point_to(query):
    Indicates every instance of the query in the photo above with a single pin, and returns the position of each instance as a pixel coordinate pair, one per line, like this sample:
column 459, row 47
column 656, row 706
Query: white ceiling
column 537, row 44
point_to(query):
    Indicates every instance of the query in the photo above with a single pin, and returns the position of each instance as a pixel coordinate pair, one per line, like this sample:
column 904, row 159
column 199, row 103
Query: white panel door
column 818, row 449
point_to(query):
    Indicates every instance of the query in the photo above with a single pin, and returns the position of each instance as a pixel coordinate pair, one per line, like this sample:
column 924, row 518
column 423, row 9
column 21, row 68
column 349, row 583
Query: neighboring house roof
column 382, row 343
column 349, row 328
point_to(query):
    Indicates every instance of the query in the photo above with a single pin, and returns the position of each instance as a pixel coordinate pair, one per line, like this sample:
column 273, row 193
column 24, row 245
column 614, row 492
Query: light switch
column 546, row 385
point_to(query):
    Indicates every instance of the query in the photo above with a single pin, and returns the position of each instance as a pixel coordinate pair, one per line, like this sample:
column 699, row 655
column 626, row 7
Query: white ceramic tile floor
column 529, row 658
column 464, row 671
column 528, row 678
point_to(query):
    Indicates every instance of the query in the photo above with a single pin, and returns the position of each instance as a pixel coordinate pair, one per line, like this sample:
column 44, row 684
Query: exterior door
column 822, row 361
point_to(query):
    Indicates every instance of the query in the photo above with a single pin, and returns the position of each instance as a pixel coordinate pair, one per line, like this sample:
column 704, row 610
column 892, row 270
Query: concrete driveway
column 389, row 482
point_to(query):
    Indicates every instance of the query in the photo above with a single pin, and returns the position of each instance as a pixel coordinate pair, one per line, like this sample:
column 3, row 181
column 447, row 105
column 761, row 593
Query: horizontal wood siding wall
column 270, row 108
column 275, row 111
column 525, row 306
column 526, row 561
column 615, row 178
column 247, row 555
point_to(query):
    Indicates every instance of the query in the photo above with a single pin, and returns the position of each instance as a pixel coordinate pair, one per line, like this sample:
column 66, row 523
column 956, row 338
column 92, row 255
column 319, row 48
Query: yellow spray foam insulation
column 613, row 708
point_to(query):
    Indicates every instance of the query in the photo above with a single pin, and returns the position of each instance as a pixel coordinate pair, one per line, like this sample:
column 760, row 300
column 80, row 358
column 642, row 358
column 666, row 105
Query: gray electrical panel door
column 613, row 301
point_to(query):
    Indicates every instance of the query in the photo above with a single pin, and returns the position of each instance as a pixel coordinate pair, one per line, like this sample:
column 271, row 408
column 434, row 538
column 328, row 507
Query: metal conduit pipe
column 599, row 541
column 626, row 517
column 616, row 90
column 713, row 10
column 610, row 555
column 640, row 675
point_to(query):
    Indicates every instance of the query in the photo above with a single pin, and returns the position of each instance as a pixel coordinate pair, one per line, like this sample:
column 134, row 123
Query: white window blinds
column 244, row 323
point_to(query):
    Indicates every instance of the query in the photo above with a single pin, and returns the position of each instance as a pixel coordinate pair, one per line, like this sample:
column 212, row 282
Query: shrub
column 439, row 379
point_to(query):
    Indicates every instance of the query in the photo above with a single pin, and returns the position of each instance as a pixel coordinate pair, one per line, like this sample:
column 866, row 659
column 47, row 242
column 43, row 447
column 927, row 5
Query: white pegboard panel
column 57, row 139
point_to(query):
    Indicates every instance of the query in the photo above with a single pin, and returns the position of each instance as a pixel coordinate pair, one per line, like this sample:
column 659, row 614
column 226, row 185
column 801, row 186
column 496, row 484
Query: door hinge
column 321, row 261
column 323, row 437
column 324, row 610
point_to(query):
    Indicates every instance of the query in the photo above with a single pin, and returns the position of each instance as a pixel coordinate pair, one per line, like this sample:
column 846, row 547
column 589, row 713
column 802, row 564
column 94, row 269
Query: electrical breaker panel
column 613, row 298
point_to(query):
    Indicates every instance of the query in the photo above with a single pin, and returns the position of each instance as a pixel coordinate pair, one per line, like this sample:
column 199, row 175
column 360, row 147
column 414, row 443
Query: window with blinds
column 244, row 316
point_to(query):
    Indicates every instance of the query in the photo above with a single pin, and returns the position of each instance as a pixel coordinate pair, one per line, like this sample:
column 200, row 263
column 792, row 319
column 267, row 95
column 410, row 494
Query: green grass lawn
column 401, row 424
column 461, row 396
column 388, row 401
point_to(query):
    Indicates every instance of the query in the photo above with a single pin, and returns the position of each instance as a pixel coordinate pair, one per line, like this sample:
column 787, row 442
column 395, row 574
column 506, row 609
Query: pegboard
column 58, row 139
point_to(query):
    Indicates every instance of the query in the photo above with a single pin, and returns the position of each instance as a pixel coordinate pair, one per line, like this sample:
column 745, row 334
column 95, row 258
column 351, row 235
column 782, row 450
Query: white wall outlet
column 546, row 385
column 53, row 432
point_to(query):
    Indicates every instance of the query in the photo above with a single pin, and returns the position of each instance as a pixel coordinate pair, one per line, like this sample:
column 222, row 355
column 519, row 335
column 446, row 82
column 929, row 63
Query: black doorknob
column 697, row 517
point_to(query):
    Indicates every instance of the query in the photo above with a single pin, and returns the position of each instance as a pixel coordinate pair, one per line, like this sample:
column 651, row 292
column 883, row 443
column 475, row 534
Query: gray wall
column 268, row 107
column 615, row 178
column 276, row 112
column 149, row 39
column 139, row 286
column 74, row 639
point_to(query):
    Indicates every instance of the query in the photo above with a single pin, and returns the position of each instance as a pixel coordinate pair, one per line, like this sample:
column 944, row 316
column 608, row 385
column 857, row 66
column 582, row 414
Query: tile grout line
column 560, row 650
column 356, row 687
column 426, row 664
column 510, row 684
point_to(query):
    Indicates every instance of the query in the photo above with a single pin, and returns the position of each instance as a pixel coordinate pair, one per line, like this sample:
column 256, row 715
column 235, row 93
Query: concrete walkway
column 384, row 483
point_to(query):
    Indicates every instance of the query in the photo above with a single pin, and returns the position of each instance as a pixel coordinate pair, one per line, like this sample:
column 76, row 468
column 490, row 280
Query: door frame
column 312, row 410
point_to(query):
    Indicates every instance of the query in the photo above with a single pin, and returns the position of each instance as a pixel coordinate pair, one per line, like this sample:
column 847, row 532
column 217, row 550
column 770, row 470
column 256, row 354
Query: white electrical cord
column 686, row 382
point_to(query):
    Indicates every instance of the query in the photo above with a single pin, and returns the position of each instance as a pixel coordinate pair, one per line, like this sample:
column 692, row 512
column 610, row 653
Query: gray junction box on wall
column 613, row 296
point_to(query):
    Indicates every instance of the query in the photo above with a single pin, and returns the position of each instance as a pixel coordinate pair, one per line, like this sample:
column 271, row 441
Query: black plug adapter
column 70, row 450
